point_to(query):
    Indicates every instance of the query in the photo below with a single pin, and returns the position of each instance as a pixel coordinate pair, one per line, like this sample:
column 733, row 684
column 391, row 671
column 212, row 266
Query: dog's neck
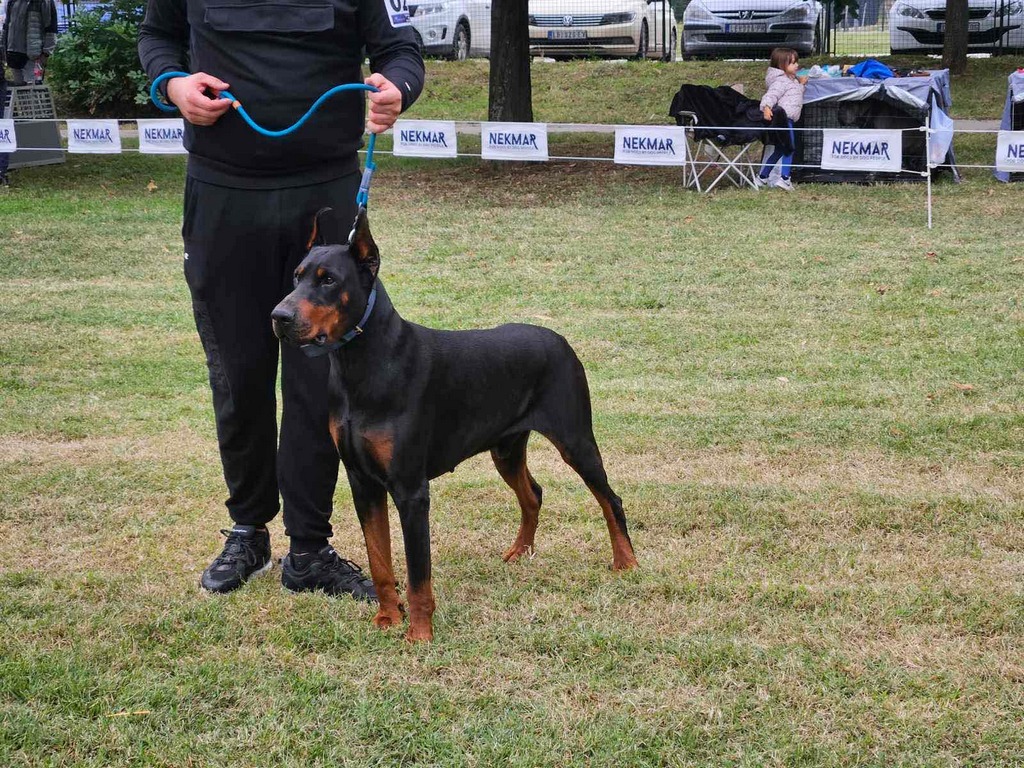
column 380, row 332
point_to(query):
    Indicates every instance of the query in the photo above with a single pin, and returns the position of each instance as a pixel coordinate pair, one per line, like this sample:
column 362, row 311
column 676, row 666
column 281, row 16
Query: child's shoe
column 759, row 182
column 785, row 184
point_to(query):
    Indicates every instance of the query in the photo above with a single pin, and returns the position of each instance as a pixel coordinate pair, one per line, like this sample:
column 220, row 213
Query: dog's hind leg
column 582, row 454
column 371, row 502
column 568, row 423
column 510, row 460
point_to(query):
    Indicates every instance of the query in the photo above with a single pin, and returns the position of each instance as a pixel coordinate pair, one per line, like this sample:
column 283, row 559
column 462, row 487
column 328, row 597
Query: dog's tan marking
column 320, row 318
column 337, row 431
column 623, row 558
column 381, row 447
column 377, row 533
column 421, row 612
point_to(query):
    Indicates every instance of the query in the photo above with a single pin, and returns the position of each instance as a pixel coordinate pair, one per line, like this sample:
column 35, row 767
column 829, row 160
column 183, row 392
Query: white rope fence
column 868, row 155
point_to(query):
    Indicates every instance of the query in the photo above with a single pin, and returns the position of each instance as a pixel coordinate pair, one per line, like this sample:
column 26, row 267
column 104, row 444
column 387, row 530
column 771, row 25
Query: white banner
column 862, row 150
column 8, row 139
column 162, row 137
column 94, row 137
column 514, row 141
column 650, row 145
column 425, row 138
column 1010, row 151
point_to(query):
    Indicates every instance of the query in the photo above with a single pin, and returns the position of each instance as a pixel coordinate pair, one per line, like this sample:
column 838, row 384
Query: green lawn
column 810, row 404
column 640, row 91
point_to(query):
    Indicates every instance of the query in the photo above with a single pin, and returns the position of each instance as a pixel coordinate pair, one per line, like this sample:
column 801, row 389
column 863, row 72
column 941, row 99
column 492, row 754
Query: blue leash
column 362, row 196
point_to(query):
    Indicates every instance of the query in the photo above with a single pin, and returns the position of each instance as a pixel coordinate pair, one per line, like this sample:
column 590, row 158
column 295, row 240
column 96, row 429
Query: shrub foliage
column 95, row 68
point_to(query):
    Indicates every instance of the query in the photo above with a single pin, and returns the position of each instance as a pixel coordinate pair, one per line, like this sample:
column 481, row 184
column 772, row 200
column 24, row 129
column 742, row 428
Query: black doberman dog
column 409, row 403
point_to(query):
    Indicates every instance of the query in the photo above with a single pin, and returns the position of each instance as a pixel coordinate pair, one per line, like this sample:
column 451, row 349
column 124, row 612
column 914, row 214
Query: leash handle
column 362, row 197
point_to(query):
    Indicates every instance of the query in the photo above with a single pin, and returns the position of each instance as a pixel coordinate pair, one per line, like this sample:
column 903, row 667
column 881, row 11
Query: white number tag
column 397, row 11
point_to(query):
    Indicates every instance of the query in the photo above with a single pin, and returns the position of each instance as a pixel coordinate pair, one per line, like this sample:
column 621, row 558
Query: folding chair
column 738, row 162
column 726, row 149
column 691, row 177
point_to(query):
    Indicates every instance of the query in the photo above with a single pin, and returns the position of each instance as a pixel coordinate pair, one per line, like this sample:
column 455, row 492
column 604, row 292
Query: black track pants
column 241, row 247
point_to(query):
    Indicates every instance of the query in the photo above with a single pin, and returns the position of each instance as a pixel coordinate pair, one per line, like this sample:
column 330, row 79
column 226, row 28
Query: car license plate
column 738, row 28
column 972, row 26
column 567, row 34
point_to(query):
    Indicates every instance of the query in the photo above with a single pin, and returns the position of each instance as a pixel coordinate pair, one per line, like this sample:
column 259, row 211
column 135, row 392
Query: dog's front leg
column 413, row 502
column 371, row 502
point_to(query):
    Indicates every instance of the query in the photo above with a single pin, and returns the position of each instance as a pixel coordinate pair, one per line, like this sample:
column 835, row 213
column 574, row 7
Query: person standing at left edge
column 248, row 211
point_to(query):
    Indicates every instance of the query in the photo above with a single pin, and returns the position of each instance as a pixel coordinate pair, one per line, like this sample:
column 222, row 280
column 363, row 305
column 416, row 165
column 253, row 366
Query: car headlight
column 909, row 11
column 696, row 11
column 423, row 10
column 799, row 13
column 617, row 18
column 1014, row 8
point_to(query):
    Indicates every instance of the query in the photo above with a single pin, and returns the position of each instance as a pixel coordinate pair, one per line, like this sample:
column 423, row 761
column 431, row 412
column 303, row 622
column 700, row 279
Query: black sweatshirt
column 279, row 56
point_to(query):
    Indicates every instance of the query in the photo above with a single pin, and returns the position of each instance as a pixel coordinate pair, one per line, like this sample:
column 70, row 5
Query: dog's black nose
column 282, row 315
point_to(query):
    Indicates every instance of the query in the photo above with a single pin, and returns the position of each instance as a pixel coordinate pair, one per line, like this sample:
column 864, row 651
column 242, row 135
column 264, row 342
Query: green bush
column 95, row 68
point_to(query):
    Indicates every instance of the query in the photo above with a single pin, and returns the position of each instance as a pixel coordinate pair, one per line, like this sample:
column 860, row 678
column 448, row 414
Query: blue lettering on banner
column 513, row 139
column 1015, row 151
column 93, row 134
column 647, row 144
column 5, row 136
column 436, row 138
column 164, row 134
column 858, row 149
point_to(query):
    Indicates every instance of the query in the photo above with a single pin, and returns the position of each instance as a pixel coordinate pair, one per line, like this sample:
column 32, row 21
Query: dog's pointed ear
column 316, row 237
column 361, row 244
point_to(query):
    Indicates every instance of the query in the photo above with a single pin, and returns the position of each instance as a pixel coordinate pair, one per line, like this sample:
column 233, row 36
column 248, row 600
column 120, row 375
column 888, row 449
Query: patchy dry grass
column 823, row 479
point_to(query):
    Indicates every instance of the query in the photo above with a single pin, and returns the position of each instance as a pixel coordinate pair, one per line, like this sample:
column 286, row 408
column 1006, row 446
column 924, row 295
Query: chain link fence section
column 670, row 30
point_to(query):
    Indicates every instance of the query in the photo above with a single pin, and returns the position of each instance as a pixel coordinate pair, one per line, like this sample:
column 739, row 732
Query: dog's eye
column 326, row 280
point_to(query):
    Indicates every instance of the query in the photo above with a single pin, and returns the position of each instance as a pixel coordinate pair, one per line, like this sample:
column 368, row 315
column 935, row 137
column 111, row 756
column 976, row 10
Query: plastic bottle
column 37, row 73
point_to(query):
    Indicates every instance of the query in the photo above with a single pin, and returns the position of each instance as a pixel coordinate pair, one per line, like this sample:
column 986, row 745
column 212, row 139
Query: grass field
column 641, row 91
column 811, row 406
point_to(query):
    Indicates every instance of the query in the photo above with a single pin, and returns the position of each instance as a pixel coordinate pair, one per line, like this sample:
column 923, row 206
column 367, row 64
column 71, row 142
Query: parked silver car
column 714, row 27
column 639, row 28
column 992, row 25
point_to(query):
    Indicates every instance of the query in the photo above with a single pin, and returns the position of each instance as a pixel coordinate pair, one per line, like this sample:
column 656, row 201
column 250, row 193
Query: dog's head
column 332, row 288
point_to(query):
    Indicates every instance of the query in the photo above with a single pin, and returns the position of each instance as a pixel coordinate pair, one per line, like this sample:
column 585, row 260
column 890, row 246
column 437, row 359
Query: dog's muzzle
column 283, row 321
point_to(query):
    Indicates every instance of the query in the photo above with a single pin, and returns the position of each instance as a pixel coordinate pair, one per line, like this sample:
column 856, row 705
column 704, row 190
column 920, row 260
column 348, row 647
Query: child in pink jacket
column 785, row 91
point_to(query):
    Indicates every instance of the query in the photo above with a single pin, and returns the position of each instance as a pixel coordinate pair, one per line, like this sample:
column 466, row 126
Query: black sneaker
column 328, row 572
column 246, row 554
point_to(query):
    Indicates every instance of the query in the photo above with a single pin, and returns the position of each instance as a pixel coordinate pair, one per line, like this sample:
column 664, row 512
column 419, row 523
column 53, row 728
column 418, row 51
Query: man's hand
column 767, row 114
column 385, row 105
column 188, row 95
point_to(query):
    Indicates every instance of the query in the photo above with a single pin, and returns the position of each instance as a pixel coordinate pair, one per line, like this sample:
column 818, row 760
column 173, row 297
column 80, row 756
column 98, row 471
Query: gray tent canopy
column 900, row 103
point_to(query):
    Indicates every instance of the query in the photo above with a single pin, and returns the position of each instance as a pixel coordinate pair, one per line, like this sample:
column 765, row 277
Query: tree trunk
column 510, row 94
column 954, row 46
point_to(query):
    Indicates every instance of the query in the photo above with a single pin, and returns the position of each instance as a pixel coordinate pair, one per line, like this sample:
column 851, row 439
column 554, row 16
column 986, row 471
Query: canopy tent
column 900, row 103
column 1013, row 116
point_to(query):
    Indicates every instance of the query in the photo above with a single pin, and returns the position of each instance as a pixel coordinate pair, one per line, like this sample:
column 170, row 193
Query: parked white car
column 714, row 27
column 455, row 29
column 920, row 25
column 616, row 28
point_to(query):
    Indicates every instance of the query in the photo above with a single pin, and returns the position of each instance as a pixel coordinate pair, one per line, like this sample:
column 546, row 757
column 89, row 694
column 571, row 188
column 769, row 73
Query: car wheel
column 670, row 54
column 460, row 42
column 641, row 49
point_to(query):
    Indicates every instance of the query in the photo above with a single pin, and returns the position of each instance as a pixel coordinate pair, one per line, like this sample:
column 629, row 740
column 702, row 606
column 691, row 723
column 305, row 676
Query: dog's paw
column 423, row 633
column 517, row 550
column 624, row 563
column 387, row 619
